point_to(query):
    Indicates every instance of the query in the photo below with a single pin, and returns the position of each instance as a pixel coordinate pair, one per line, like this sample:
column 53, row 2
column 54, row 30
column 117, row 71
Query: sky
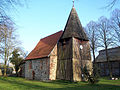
column 41, row 18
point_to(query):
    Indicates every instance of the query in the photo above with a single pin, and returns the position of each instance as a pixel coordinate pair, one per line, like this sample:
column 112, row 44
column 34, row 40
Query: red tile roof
column 44, row 46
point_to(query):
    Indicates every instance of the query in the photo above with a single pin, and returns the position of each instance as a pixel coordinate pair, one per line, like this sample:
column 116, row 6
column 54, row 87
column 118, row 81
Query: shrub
column 90, row 77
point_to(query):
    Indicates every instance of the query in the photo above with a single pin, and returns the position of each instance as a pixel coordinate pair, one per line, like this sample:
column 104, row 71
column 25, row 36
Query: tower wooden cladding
column 73, row 50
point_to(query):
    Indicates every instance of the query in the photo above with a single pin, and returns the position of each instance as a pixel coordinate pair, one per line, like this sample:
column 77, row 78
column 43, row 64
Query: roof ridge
column 110, row 48
column 51, row 34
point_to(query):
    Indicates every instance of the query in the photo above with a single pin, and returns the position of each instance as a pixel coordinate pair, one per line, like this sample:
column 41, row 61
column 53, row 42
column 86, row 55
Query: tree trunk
column 94, row 62
column 5, row 64
column 109, row 65
column 94, row 56
column 16, row 69
column 5, row 70
column 17, row 73
column 5, row 67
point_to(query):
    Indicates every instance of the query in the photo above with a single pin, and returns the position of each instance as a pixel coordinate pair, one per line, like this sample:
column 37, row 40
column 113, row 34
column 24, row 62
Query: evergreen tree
column 16, row 60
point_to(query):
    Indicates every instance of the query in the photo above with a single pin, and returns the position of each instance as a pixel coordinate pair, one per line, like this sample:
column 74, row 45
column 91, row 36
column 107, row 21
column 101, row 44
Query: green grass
column 15, row 83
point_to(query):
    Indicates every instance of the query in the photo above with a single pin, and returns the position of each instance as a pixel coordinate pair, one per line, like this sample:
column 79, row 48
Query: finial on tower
column 73, row 3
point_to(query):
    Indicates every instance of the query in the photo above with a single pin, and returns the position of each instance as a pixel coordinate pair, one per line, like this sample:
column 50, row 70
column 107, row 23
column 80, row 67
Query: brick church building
column 60, row 55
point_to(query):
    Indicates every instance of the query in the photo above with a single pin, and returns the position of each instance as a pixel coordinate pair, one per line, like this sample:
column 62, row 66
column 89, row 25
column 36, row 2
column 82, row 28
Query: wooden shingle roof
column 73, row 27
column 44, row 46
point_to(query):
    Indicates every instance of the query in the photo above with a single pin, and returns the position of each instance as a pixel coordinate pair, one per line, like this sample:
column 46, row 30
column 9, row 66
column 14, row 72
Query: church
column 60, row 56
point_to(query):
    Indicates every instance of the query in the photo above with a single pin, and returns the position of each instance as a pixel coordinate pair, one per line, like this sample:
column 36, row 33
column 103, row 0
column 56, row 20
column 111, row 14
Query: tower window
column 81, row 47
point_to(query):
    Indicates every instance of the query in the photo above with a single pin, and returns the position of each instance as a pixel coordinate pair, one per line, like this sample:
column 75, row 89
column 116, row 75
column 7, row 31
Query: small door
column 33, row 75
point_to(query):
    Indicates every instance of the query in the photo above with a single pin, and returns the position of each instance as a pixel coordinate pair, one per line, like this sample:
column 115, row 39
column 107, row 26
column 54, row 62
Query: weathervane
column 73, row 3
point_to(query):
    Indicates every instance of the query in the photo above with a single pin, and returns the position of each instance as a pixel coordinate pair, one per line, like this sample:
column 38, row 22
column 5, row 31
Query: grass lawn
column 15, row 83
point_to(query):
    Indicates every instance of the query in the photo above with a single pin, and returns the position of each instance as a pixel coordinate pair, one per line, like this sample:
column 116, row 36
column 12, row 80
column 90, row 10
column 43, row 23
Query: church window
column 64, row 44
column 30, row 65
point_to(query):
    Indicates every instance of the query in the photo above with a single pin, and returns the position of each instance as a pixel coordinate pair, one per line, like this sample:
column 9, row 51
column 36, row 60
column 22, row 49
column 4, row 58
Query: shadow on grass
column 23, row 84
column 84, row 85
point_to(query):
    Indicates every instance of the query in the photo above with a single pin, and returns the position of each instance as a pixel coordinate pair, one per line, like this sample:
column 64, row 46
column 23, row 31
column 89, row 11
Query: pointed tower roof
column 73, row 27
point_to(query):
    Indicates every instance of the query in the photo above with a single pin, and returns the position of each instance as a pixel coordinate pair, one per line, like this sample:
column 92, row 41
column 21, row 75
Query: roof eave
column 37, row 58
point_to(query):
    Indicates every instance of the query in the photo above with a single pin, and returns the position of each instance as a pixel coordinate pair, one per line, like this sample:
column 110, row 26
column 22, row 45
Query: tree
column 8, row 39
column 112, row 4
column 16, row 59
column 1, row 38
column 92, row 33
column 105, row 38
column 115, row 23
column 7, row 4
column 91, row 78
column 91, row 30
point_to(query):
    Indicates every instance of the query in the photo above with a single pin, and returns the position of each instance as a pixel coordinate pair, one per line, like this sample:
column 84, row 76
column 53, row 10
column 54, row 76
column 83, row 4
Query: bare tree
column 7, row 4
column 1, row 36
column 0, row 42
column 7, row 27
column 112, row 4
column 91, row 30
column 105, row 38
column 115, row 23
column 7, row 43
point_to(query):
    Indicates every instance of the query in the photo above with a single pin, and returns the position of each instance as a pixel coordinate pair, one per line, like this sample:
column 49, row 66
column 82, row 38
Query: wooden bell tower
column 73, row 50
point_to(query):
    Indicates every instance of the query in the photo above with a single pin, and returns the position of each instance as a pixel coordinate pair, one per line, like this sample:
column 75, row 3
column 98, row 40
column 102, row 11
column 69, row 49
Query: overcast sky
column 44, row 17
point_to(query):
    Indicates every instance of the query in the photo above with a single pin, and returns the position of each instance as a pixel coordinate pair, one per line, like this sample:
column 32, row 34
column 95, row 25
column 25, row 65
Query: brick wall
column 39, row 69
column 42, row 69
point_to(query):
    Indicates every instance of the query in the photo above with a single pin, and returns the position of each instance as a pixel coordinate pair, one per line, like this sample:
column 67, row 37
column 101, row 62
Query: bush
column 90, row 77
